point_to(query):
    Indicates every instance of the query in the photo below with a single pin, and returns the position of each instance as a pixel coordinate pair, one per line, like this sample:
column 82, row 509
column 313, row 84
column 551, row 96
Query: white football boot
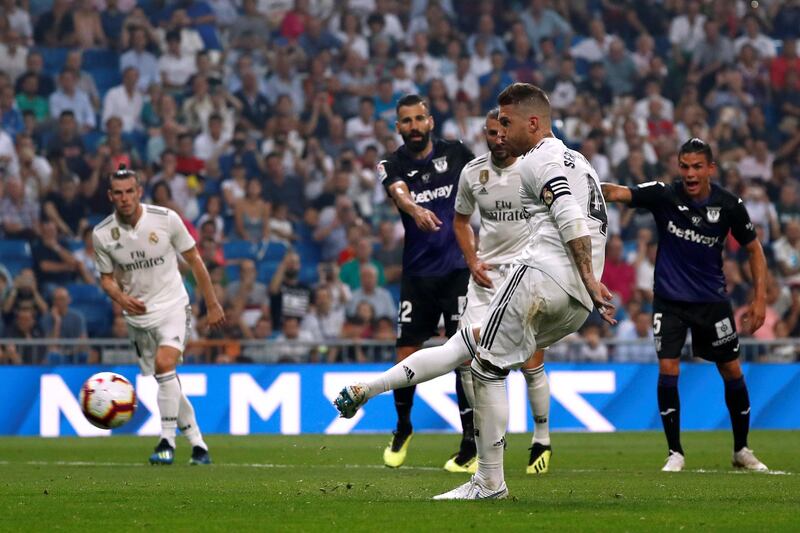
column 674, row 463
column 350, row 400
column 746, row 459
column 472, row 490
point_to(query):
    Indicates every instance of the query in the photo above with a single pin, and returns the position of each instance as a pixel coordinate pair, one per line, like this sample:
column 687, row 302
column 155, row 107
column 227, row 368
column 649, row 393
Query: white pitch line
column 369, row 467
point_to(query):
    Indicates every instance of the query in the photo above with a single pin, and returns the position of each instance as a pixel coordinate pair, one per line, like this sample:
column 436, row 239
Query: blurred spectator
column 125, row 101
column 389, row 252
column 24, row 327
column 280, row 227
column 88, row 26
column 379, row 298
column 252, row 214
column 29, row 97
column 289, row 296
column 13, row 55
column 351, row 270
column 64, row 207
column 249, row 294
column 331, row 231
column 787, row 252
column 19, row 216
column 53, row 263
column 620, row 69
column 10, row 117
column 540, row 21
column 23, row 294
column 44, row 84
column 61, row 322
column 212, row 144
column 753, row 37
column 592, row 349
column 256, row 108
column 781, row 65
column 85, row 256
column 187, row 162
column 180, row 186
column 57, row 26
column 686, row 30
column 175, row 65
column 112, row 20
column 618, row 275
column 70, row 97
column 140, row 58
column 85, row 81
column 645, row 263
column 639, row 348
column 293, row 344
column 19, row 20
column 324, row 323
column 284, row 188
column 213, row 215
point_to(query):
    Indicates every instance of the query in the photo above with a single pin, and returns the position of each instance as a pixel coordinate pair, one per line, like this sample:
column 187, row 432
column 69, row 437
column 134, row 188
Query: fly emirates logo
column 432, row 194
column 691, row 235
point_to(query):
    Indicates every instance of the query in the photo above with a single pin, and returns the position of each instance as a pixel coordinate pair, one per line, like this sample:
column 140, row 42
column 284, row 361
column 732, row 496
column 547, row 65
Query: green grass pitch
column 597, row 482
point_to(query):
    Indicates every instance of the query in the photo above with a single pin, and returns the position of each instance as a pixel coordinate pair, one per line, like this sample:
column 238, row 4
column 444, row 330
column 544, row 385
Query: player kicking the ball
column 547, row 296
column 492, row 182
column 135, row 251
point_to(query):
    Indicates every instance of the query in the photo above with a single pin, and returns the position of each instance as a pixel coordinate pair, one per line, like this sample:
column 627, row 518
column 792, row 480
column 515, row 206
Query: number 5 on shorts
column 656, row 323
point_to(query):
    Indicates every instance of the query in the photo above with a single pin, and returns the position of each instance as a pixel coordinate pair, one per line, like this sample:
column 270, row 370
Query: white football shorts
column 528, row 312
column 172, row 331
column 478, row 298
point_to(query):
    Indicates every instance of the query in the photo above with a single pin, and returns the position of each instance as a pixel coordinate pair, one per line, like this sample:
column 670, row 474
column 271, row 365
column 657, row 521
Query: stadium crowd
column 261, row 122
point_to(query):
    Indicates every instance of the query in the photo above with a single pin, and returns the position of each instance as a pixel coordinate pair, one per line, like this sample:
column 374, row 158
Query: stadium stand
column 629, row 82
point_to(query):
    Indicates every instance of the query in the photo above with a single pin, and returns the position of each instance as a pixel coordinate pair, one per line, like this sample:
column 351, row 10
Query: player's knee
column 670, row 367
column 730, row 369
column 166, row 359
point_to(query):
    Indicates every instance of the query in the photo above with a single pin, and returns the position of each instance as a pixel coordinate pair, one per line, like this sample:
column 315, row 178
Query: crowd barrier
column 292, row 399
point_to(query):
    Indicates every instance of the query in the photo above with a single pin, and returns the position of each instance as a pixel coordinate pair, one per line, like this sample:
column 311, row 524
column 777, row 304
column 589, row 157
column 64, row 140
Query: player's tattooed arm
column 581, row 249
column 425, row 219
column 616, row 193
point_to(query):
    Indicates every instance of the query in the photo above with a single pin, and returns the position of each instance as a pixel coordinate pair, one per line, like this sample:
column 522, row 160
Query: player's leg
column 720, row 343
column 669, row 333
column 539, row 398
column 738, row 401
column 176, row 409
column 169, row 401
column 417, row 320
column 422, row 365
column 452, row 301
column 504, row 345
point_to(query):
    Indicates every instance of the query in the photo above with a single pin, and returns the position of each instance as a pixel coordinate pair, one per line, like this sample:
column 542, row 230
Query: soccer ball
column 108, row 400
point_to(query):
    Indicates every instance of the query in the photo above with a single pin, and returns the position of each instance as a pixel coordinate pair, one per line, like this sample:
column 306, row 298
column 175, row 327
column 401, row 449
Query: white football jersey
column 550, row 171
column 504, row 227
column 144, row 260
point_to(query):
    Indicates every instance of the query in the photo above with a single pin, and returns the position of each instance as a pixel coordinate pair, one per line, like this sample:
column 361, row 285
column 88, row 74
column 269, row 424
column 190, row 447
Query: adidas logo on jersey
column 483, row 191
column 691, row 235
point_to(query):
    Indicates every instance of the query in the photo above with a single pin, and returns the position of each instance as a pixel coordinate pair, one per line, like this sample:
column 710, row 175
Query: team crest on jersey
column 696, row 220
column 712, row 214
column 440, row 164
column 483, row 177
column 115, row 233
column 153, row 238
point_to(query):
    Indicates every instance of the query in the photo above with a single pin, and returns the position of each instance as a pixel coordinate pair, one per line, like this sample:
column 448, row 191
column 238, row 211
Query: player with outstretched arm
column 136, row 250
column 547, row 296
column 694, row 217
column 421, row 177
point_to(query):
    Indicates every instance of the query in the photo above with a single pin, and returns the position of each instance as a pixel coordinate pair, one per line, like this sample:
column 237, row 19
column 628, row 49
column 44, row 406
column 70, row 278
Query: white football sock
column 425, row 364
column 539, row 398
column 466, row 382
column 169, row 400
column 187, row 423
column 491, row 421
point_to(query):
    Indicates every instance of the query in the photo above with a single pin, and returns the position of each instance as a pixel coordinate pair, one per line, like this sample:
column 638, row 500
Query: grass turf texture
column 326, row 483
